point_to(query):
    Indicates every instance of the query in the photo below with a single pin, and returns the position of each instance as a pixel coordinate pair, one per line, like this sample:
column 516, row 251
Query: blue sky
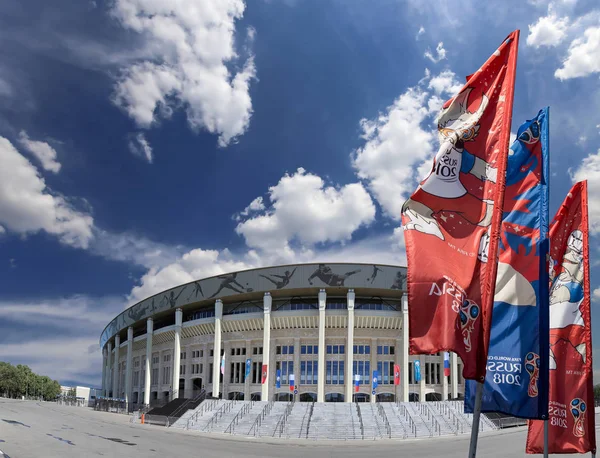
column 146, row 143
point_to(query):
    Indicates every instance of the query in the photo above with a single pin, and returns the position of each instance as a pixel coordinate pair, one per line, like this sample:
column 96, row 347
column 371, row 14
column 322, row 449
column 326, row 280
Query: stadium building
column 320, row 324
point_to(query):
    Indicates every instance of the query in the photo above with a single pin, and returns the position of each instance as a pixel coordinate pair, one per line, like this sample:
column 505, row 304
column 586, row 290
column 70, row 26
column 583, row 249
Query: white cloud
column 193, row 49
column 140, row 147
column 420, row 32
column 42, row 151
column 440, row 53
column 401, row 140
column 445, row 83
column 304, row 209
column 60, row 335
column 255, row 206
column 133, row 248
column 590, row 170
column 5, row 88
column 584, row 56
column 27, row 205
column 549, row 31
column 193, row 265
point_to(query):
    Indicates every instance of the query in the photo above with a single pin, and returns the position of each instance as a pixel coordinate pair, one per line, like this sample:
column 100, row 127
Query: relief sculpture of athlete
column 442, row 189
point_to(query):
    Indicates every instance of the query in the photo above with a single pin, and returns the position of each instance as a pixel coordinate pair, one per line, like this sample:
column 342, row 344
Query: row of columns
column 113, row 385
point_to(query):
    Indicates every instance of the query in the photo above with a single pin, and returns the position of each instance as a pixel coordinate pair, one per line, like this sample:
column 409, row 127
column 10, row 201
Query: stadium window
column 392, row 350
column 212, row 352
column 342, row 349
column 210, row 373
column 284, row 350
column 302, row 349
column 329, row 349
column 291, row 350
column 233, row 352
column 278, row 350
column 367, row 349
column 244, row 351
column 379, row 350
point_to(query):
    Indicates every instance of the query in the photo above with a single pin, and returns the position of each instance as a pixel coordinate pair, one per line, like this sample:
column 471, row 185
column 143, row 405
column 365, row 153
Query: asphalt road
column 35, row 430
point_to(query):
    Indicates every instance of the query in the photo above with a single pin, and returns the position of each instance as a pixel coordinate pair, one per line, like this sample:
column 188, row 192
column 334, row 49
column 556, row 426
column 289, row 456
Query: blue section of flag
column 520, row 329
column 375, row 380
column 278, row 379
column 248, row 367
column 417, row 371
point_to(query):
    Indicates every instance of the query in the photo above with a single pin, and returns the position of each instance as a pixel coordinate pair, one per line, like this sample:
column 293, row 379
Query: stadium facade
column 323, row 323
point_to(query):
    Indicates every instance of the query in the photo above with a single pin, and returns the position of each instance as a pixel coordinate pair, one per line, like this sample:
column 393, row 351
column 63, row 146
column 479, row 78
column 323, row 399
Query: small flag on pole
column 223, row 364
column 356, row 383
column 396, row 374
column 278, row 379
column 265, row 372
column 446, row 364
column 292, row 382
column 375, row 380
column 248, row 367
column 417, row 371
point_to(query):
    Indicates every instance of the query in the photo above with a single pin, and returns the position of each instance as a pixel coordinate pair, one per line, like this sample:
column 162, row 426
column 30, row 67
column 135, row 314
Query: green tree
column 597, row 393
column 20, row 380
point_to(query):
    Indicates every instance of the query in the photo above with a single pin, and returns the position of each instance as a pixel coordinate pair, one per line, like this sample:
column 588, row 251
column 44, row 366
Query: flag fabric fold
column 517, row 370
column 417, row 371
column 223, row 364
column 452, row 221
column 278, row 379
column 356, row 383
column 571, row 419
column 291, row 382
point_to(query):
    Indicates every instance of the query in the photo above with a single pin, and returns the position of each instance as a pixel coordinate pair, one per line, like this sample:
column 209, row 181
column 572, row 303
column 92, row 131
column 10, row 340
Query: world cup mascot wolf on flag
column 452, row 221
column 571, row 416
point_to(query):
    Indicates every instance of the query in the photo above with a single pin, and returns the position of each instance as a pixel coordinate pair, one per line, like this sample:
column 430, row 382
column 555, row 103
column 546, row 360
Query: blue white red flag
column 291, row 382
column 417, row 371
column 452, row 220
column 223, row 364
column 356, row 383
column 278, row 379
column 446, row 364
column 517, row 371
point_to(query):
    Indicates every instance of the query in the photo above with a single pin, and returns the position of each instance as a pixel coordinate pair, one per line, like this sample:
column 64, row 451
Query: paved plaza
column 36, row 429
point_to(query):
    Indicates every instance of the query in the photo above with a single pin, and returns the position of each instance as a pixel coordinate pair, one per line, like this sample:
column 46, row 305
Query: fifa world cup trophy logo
column 578, row 408
column 532, row 366
column 468, row 312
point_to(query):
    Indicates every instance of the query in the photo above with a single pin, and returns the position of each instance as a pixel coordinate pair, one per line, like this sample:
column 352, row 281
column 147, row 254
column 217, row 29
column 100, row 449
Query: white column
column 147, row 378
column 217, row 348
column 108, row 370
column 129, row 366
column 444, row 382
column 104, row 353
column 374, row 358
column 297, row 366
column 454, row 374
column 247, row 393
column 116, row 367
column 405, row 359
column 267, row 303
column 422, row 384
column 177, row 353
column 322, row 348
column 350, row 345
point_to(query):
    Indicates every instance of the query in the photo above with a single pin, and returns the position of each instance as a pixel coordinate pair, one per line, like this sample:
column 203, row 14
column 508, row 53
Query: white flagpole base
column 476, row 416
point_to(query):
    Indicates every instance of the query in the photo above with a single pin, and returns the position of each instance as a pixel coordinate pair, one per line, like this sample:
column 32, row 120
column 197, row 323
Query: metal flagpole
column 546, row 438
column 475, row 425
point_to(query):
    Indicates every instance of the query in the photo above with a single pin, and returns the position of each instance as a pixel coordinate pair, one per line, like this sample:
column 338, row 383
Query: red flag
column 571, row 397
column 264, row 374
column 452, row 221
column 396, row 374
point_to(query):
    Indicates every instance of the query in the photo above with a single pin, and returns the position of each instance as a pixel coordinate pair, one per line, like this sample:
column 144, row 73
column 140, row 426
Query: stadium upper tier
column 235, row 289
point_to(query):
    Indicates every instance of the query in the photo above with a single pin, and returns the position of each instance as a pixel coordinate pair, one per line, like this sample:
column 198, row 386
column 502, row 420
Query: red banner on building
column 396, row 374
column 571, row 398
column 452, row 221
column 264, row 373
